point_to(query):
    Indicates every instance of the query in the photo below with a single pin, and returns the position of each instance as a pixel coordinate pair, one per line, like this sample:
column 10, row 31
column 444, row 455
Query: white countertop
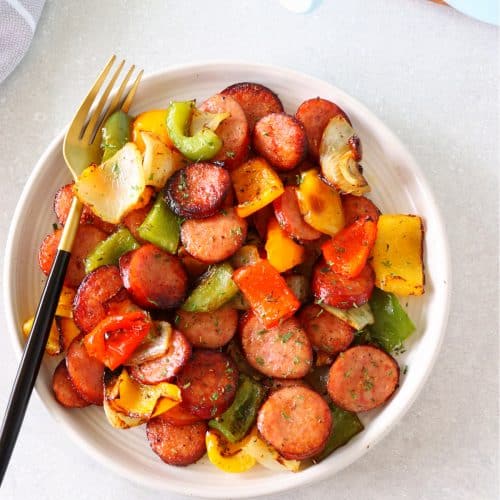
column 431, row 74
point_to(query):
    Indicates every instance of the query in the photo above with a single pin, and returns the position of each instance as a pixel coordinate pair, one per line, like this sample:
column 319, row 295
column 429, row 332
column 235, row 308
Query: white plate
column 398, row 187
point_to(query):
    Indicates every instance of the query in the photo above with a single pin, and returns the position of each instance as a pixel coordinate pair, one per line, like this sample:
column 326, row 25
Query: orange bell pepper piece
column 115, row 338
column 347, row 252
column 282, row 252
column 267, row 292
column 256, row 185
column 153, row 121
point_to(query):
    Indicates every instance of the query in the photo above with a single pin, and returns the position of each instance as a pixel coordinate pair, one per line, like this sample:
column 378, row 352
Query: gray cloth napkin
column 18, row 19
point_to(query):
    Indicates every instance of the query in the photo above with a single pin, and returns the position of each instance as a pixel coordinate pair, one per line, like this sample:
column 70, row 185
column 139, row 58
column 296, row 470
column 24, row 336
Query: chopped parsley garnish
column 260, row 361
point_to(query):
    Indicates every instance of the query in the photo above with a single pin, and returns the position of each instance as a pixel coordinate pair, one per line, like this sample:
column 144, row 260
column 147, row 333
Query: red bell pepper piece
column 115, row 338
column 347, row 252
column 267, row 292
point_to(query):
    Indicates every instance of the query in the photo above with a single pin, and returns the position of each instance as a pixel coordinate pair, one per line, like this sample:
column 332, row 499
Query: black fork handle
column 31, row 359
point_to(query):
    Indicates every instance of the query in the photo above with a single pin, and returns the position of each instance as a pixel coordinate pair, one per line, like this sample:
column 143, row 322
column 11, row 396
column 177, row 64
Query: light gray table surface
column 431, row 74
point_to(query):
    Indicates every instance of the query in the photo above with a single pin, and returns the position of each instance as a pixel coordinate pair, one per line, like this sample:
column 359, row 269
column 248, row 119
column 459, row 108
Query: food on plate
column 236, row 299
column 281, row 140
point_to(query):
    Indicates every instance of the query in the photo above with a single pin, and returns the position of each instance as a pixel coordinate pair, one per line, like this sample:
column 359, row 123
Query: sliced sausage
column 275, row 384
column 47, row 251
column 120, row 304
column 338, row 291
column 86, row 372
column 208, row 329
column 215, row 238
column 62, row 204
column 283, row 351
column 86, row 240
column 135, row 218
column 233, row 130
column 281, row 139
column 256, row 100
column 166, row 367
column 315, row 114
column 358, row 206
column 296, row 421
column 194, row 267
column 198, row 190
column 99, row 286
column 208, row 383
column 154, row 278
column 64, row 390
column 176, row 445
column 260, row 220
column 286, row 209
column 178, row 415
column 362, row 378
column 325, row 331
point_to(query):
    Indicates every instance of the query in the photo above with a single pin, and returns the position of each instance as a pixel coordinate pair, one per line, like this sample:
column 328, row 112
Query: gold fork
column 81, row 148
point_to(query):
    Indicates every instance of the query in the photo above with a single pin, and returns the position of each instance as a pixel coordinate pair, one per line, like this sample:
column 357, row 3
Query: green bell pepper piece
column 203, row 145
column 392, row 325
column 215, row 289
column 236, row 421
column 115, row 133
column 161, row 227
column 111, row 249
column 345, row 426
column 318, row 379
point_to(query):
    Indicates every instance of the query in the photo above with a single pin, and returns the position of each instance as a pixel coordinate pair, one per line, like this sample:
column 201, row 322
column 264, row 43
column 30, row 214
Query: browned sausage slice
column 286, row 209
column 280, row 139
column 260, row 220
column 296, row 421
column 62, row 204
column 315, row 114
column 283, row 351
column 208, row 329
column 99, row 286
column 358, row 206
column 256, row 100
column 135, row 218
column 198, row 190
column 215, row 238
column 233, row 130
column 362, row 378
column 275, row 384
column 166, row 367
column 338, row 291
column 178, row 415
column 86, row 372
column 176, row 445
column 64, row 390
column 86, row 239
column 325, row 331
column 154, row 278
column 208, row 383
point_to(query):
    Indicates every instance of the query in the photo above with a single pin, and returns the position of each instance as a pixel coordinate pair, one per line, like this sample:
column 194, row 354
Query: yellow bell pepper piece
column 234, row 459
column 68, row 330
column 154, row 122
column 282, row 252
column 320, row 204
column 397, row 255
column 266, row 455
column 256, row 185
column 53, row 346
column 163, row 405
column 65, row 304
column 140, row 400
